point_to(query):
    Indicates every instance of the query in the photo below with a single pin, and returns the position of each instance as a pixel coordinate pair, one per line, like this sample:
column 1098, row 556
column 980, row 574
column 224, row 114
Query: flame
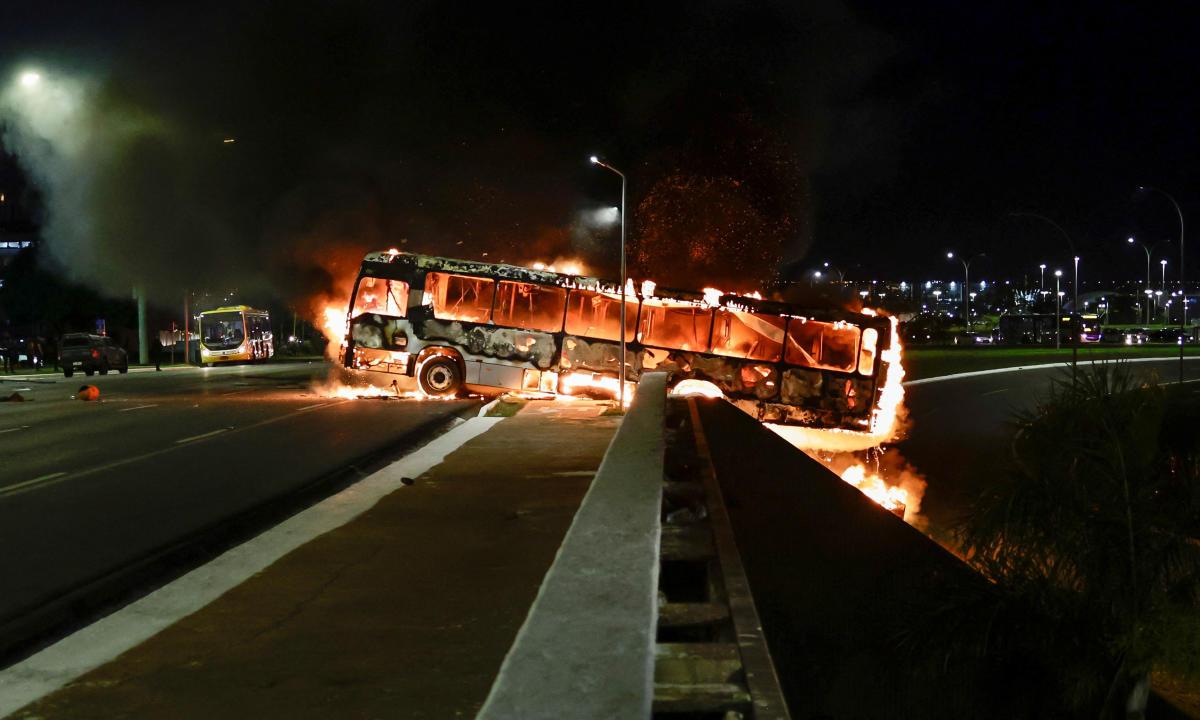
column 891, row 497
column 579, row 382
column 566, row 266
column 698, row 388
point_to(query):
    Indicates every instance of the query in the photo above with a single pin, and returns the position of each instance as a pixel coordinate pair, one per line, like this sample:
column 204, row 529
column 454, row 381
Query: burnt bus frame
column 408, row 268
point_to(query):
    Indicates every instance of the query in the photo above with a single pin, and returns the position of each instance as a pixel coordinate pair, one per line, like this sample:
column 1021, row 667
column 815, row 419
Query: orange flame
column 891, row 497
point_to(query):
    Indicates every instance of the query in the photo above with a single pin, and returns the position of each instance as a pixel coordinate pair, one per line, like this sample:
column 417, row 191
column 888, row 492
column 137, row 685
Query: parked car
column 91, row 353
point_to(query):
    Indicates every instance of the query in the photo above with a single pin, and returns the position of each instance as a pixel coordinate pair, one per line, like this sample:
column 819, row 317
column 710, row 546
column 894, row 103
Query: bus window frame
column 817, row 366
column 637, row 328
column 491, row 308
column 562, row 324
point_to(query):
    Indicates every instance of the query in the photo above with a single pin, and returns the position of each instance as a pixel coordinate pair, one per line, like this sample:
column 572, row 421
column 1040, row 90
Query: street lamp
column 1058, row 314
column 966, row 301
column 597, row 161
column 1042, row 282
column 1164, row 274
column 835, row 268
column 1149, row 251
column 1182, row 283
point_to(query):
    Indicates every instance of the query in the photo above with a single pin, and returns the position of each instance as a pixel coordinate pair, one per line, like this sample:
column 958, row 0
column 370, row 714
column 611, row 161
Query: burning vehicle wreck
column 459, row 325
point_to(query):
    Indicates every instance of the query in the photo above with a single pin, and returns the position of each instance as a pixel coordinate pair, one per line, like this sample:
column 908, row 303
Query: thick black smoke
column 264, row 146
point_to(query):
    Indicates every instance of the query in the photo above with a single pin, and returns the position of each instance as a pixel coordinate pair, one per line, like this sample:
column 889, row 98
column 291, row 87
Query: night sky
column 759, row 139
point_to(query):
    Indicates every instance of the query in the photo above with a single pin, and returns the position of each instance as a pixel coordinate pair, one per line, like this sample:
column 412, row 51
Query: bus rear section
column 235, row 334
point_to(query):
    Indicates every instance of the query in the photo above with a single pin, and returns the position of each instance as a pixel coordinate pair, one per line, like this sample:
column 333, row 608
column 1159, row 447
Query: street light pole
column 606, row 166
column 1042, row 282
column 1058, row 314
column 966, row 303
column 1131, row 241
column 1075, row 302
column 1182, row 282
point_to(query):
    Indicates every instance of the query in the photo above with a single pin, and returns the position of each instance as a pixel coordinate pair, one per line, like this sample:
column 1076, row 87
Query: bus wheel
column 439, row 377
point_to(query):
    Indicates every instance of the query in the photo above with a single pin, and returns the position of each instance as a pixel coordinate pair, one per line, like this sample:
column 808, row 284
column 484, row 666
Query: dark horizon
column 874, row 137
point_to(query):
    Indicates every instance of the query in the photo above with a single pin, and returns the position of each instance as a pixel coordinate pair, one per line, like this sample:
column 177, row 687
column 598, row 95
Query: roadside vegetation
column 1090, row 546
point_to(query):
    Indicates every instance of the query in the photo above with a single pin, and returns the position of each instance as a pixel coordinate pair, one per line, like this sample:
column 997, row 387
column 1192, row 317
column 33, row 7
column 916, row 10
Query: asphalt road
column 959, row 429
column 87, row 488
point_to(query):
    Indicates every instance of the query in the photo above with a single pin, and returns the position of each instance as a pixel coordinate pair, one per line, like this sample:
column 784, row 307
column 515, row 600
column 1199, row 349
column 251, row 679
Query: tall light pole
column 624, row 282
column 1042, row 282
column 1075, row 302
column 966, row 302
column 1164, row 274
column 1058, row 314
column 1182, row 283
column 1149, row 250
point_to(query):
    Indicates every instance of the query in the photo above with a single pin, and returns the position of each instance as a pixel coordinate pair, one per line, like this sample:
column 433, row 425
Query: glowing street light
column 1149, row 251
column 1042, row 282
column 966, row 301
column 30, row 79
column 597, row 161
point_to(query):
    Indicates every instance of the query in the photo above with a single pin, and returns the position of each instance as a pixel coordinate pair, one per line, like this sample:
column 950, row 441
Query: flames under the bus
column 533, row 330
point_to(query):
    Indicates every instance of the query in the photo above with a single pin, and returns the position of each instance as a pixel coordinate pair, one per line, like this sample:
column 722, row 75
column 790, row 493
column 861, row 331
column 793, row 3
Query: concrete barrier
column 586, row 649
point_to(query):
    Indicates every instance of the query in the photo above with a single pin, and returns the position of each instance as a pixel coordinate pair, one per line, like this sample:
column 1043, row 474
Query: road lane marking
column 1042, row 366
column 237, row 392
column 14, row 429
column 201, row 436
column 10, row 490
column 310, row 407
column 66, row 660
column 139, row 407
column 993, row 392
column 36, row 481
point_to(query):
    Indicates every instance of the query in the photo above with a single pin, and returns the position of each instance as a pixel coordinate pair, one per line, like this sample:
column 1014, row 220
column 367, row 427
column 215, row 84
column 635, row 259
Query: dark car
column 91, row 353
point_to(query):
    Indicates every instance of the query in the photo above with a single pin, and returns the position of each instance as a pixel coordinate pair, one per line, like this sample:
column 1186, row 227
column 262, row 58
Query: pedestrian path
column 406, row 610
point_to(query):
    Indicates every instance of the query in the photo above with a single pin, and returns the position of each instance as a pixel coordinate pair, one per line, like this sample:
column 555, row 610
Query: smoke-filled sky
column 758, row 137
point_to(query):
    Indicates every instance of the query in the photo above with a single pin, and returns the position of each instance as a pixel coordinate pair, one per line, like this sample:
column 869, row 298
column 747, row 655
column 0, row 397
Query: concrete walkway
column 406, row 611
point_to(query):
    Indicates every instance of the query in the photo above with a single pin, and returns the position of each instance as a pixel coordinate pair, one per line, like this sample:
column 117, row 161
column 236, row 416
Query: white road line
column 14, row 429
column 139, row 407
column 237, row 392
column 1043, row 366
column 994, row 392
column 201, row 436
column 36, row 481
column 105, row 639
column 310, row 407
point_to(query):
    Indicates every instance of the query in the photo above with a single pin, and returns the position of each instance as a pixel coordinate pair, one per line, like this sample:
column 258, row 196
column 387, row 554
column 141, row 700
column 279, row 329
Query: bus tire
column 440, row 377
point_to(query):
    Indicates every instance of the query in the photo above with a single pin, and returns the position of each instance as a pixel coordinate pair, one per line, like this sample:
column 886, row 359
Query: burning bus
column 462, row 325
